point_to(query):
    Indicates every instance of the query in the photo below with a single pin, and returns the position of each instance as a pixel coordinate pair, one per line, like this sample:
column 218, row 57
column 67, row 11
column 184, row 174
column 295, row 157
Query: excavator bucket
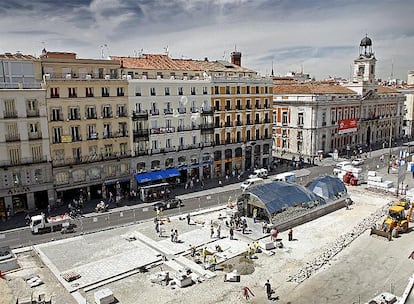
column 386, row 234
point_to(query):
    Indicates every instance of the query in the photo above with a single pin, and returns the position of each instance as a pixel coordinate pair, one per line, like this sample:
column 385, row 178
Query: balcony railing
column 58, row 117
column 140, row 134
column 10, row 114
column 35, row 135
column 143, row 114
column 168, row 111
column 206, row 111
column 32, row 113
column 155, row 112
column 12, row 137
column 91, row 116
column 182, row 111
column 23, row 161
column 90, row 159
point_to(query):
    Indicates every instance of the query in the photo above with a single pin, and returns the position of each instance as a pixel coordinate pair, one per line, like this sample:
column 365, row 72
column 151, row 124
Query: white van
column 251, row 182
column 340, row 166
column 262, row 173
column 289, row 177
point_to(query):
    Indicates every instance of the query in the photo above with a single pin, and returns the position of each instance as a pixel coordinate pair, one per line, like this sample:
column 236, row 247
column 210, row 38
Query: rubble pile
column 340, row 243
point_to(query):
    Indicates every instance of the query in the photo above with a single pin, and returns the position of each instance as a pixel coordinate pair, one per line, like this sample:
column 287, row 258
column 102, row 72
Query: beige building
column 27, row 182
column 317, row 118
column 87, row 106
column 203, row 118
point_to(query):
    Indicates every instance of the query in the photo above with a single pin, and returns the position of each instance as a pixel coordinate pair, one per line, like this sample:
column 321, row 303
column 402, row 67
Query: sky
column 318, row 37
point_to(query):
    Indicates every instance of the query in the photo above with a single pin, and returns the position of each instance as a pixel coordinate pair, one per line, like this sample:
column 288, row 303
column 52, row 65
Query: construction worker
column 250, row 251
column 254, row 215
column 204, row 254
column 256, row 246
column 213, row 263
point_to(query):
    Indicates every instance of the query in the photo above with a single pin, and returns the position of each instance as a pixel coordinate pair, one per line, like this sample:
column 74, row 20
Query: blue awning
column 171, row 173
column 156, row 175
column 143, row 177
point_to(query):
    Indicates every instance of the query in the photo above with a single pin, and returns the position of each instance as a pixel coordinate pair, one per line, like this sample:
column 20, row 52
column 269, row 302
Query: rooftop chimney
column 236, row 58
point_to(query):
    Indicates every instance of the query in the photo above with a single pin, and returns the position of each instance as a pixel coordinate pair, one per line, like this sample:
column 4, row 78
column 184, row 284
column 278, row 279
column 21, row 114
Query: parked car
column 168, row 204
column 357, row 162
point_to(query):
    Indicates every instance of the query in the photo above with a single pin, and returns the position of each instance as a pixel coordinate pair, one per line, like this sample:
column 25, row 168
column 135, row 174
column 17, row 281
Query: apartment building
column 241, row 100
column 316, row 118
column 25, row 167
column 196, row 118
column 88, row 119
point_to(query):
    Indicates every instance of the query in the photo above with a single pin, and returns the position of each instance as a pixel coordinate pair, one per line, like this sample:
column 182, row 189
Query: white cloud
column 322, row 36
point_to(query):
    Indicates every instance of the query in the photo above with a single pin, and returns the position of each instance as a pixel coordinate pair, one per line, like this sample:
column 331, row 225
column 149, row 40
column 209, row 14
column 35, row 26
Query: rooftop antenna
column 166, row 50
column 102, row 50
column 301, row 68
column 140, row 53
column 135, row 53
column 392, row 69
column 224, row 55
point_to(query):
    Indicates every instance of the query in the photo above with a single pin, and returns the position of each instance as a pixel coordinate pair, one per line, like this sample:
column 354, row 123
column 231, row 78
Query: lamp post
column 390, row 149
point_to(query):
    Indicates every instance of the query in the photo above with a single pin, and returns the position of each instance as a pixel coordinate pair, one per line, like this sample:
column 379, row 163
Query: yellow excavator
column 397, row 221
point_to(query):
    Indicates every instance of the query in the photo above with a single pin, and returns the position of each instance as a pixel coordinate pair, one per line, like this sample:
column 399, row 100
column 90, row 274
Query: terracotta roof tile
column 17, row 56
column 164, row 62
column 383, row 89
column 157, row 62
column 310, row 88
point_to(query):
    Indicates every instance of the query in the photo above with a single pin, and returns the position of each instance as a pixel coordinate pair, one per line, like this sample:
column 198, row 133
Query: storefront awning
column 143, row 177
column 156, row 175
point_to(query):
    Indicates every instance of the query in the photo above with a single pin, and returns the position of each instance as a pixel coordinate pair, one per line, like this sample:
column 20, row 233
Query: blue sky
column 320, row 36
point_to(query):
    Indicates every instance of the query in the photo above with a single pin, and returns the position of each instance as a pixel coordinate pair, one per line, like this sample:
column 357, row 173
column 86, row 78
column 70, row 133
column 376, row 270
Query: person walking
column 231, row 233
column 175, row 236
column 172, row 235
column 188, row 218
column 247, row 292
column 290, row 234
column 192, row 250
column 219, row 231
column 211, row 231
column 254, row 215
column 269, row 290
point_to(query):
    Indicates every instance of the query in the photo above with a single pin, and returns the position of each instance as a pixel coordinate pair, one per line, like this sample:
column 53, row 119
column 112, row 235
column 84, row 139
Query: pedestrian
column 192, row 251
column 269, row 290
column 220, row 182
column 247, row 292
column 211, row 231
column 218, row 231
column 27, row 218
column 231, row 233
column 254, row 215
column 274, row 234
column 264, row 227
column 157, row 227
column 204, row 254
column 290, row 234
column 49, row 209
column 188, row 218
column 8, row 212
column 175, row 236
column 202, row 185
column 172, row 235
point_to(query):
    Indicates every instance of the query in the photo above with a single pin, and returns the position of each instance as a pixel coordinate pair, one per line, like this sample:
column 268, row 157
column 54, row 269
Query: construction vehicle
column 397, row 221
column 41, row 224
